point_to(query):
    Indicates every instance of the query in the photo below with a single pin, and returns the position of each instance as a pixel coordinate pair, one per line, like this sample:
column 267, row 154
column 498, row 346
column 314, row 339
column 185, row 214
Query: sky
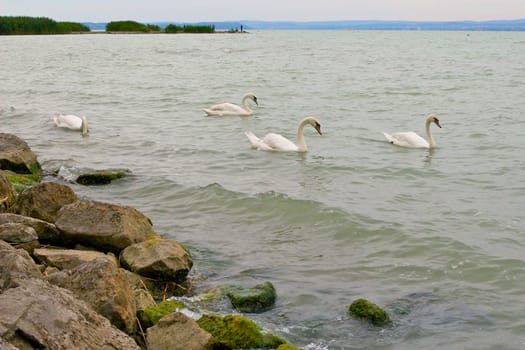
column 265, row 10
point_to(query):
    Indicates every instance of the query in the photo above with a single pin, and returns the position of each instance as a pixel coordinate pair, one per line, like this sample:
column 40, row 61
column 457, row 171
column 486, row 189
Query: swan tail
column 257, row 142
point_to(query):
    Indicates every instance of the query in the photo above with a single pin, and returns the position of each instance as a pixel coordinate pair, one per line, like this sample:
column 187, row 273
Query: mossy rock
column 287, row 347
column 100, row 177
column 237, row 332
column 21, row 182
column 152, row 315
column 366, row 310
column 255, row 299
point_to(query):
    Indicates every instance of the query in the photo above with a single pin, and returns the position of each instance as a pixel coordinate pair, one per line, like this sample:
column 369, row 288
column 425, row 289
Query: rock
column 37, row 315
column 105, row 287
column 43, row 201
column 152, row 315
column 107, row 227
column 47, row 232
column 100, row 177
column 143, row 297
column 7, row 193
column 15, row 155
column 19, row 235
column 287, row 347
column 178, row 332
column 68, row 258
column 255, row 299
column 6, row 346
column 237, row 332
column 15, row 266
column 162, row 259
column 366, row 310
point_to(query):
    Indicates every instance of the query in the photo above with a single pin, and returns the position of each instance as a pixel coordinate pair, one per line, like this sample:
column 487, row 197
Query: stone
column 19, row 235
column 177, row 331
column 143, row 297
column 162, row 259
column 368, row 311
column 152, row 315
column 107, row 227
column 7, row 193
column 68, row 258
column 17, row 156
column 44, row 200
column 255, row 299
column 46, row 232
column 100, row 177
column 37, row 315
column 105, row 287
column 15, row 266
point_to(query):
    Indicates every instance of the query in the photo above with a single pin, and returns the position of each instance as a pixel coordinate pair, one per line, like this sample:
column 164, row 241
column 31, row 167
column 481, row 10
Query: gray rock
column 68, row 258
column 15, row 155
column 47, row 232
column 44, row 200
column 107, row 227
column 143, row 297
column 105, row 287
column 162, row 259
column 177, row 331
column 15, row 266
column 252, row 299
column 19, row 235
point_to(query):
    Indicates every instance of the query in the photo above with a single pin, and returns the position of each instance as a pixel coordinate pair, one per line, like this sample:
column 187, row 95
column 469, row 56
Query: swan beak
column 317, row 127
column 437, row 122
column 255, row 100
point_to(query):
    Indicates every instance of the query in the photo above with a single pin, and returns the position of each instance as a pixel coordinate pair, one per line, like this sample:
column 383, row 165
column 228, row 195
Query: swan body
column 72, row 122
column 411, row 139
column 276, row 142
column 224, row 109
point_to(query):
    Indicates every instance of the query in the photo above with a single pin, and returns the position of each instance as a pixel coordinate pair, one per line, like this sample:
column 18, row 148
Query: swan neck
column 301, row 142
column 244, row 105
column 430, row 138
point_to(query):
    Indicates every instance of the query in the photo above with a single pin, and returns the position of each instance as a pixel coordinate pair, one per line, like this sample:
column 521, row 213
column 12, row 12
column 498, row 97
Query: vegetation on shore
column 188, row 28
column 38, row 25
column 131, row 26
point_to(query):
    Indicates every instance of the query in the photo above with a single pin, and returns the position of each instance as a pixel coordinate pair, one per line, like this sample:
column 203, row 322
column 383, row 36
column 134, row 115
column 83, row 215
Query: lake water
column 435, row 237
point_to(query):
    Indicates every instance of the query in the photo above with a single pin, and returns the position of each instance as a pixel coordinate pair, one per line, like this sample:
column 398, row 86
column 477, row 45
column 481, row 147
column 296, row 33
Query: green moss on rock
column 100, row 177
column 366, row 310
column 237, row 332
column 287, row 347
column 255, row 299
column 152, row 315
column 21, row 182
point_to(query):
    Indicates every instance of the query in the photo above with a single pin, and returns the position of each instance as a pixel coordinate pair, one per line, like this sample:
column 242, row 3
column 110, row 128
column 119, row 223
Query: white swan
column 276, row 142
column 72, row 122
column 227, row 108
column 413, row 140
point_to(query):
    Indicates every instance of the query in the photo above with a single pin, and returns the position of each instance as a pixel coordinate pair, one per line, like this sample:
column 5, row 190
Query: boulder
column 15, row 266
column 143, row 297
column 162, row 259
column 100, row 177
column 7, row 193
column 152, row 315
column 252, row 299
column 237, row 332
column 15, row 155
column 105, row 287
column 37, row 315
column 68, row 258
column 46, row 232
column 368, row 311
column 178, row 332
column 19, row 236
column 43, row 200
column 107, row 227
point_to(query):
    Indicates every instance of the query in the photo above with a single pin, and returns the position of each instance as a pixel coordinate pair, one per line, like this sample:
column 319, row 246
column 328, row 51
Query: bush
column 188, row 28
column 38, row 25
column 130, row 26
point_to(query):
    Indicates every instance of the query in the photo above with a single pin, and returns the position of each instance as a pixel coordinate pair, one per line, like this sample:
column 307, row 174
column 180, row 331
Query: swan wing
column 279, row 143
column 68, row 121
column 226, row 109
column 407, row 139
column 257, row 142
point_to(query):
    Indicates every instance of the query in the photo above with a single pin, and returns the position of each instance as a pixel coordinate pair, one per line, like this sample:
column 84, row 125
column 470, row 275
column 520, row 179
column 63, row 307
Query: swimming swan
column 276, row 142
column 72, row 122
column 227, row 108
column 413, row 140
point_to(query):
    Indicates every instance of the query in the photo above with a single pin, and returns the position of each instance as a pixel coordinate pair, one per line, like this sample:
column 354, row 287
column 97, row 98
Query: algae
column 152, row 315
column 21, row 182
column 256, row 299
column 366, row 310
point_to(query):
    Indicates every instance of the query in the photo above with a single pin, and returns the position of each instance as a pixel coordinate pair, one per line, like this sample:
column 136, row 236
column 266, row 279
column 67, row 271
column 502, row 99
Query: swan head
column 315, row 124
column 252, row 97
column 433, row 119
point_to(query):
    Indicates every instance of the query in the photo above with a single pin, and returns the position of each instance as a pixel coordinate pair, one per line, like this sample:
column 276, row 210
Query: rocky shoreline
column 83, row 274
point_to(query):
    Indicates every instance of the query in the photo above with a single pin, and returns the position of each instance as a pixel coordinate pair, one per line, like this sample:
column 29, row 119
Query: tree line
column 38, row 25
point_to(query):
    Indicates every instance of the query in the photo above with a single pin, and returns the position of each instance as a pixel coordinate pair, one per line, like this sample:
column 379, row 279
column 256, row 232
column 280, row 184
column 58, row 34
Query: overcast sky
column 268, row 10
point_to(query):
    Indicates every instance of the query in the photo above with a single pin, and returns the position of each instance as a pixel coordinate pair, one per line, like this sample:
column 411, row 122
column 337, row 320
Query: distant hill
column 499, row 25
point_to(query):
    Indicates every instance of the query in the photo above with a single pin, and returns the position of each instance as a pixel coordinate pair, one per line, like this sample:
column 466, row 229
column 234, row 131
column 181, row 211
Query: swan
column 70, row 121
column 227, row 108
column 413, row 140
column 276, row 142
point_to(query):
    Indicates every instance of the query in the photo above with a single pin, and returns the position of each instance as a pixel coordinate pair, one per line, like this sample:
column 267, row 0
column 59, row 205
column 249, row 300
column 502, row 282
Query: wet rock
column 7, row 193
column 100, row 177
column 178, row 332
column 162, row 259
column 46, row 232
column 287, row 347
column 252, row 299
column 107, row 227
column 105, row 287
column 237, row 332
column 366, row 310
column 22, row 181
column 17, row 156
column 152, row 315
column 44, row 200
column 37, row 315
column 68, row 258
column 19, row 236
